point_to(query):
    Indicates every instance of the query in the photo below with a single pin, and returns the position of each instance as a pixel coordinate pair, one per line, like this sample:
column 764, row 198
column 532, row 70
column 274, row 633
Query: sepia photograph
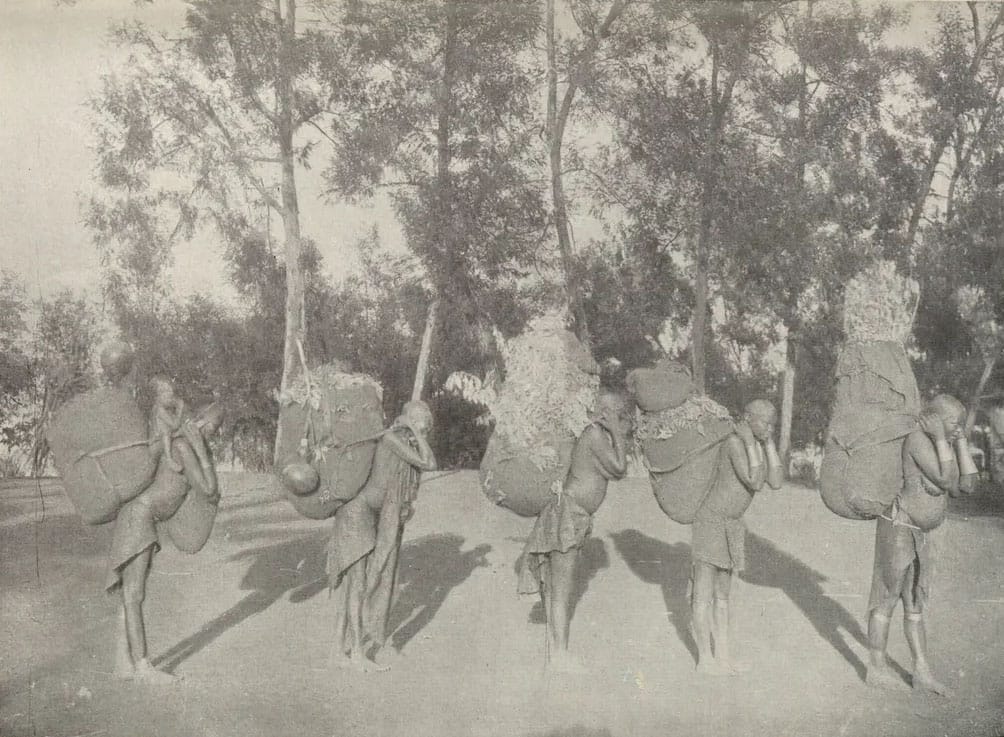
column 501, row 368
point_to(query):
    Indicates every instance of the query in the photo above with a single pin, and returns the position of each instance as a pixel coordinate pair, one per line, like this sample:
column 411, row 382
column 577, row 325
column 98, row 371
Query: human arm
column 200, row 477
column 740, row 456
column 940, row 473
column 775, row 472
column 422, row 459
column 611, row 456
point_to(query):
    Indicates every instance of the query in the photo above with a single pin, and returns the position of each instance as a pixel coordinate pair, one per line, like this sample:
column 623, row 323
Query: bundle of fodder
column 550, row 387
column 877, row 401
column 100, row 447
column 681, row 450
column 665, row 386
column 330, row 422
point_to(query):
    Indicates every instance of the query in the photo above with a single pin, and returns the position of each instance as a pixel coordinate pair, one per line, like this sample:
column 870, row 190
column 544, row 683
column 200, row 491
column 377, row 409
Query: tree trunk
column 422, row 370
column 699, row 320
column 555, row 134
column 709, row 175
column 787, row 402
column 974, row 401
column 294, row 311
column 788, row 380
column 926, row 178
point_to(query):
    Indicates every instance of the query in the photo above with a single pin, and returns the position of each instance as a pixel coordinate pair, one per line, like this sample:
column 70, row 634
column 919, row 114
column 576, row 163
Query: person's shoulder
column 735, row 443
column 918, row 440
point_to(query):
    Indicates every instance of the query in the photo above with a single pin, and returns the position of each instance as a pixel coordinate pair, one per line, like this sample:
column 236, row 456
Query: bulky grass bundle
column 545, row 392
column 879, row 304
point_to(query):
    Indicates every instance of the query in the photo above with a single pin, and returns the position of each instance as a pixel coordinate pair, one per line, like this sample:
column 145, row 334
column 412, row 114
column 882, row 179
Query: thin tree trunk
column 787, row 402
column 709, row 173
column 974, row 401
column 557, row 120
column 555, row 134
column 788, row 380
column 422, row 370
column 699, row 319
column 294, row 310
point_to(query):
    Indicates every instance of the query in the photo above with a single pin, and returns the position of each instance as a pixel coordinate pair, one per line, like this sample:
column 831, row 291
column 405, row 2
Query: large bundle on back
column 550, row 386
column 329, row 421
column 681, row 450
column 877, row 402
column 100, row 448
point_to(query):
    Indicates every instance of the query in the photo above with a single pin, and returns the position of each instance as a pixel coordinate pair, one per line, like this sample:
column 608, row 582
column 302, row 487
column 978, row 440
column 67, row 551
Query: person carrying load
column 907, row 539
column 178, row 496
column 366, row 539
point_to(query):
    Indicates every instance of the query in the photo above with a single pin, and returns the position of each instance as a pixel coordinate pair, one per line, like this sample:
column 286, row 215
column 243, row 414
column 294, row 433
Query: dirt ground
column 247, row 623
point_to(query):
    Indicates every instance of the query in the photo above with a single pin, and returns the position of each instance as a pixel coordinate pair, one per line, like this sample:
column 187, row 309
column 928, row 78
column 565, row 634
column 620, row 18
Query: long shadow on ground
column 593, row 558
column 768, row 565
column 430, row 568
column 986, row 501
column 293, row 565
column 666, row 566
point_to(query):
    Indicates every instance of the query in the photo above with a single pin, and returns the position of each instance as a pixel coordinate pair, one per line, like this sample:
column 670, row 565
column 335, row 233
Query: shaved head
column 948, row 407
column 761, row 409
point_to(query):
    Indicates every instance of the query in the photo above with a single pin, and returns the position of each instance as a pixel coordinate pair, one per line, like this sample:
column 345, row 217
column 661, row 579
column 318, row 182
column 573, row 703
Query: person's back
column 592, row 468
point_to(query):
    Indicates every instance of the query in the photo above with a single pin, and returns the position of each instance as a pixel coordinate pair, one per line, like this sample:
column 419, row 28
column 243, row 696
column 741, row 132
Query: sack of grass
column 877, row 401
column 329, row 421
column 681, row 449
column 550, row 386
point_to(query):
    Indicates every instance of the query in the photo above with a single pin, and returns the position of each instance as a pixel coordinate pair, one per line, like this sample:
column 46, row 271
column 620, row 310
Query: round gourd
column 301, row 478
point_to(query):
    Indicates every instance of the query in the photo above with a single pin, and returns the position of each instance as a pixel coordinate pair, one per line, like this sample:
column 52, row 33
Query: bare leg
column 348, row 651
column 123, row 661
column 723, row 654
column 703, row 593
column 134, row 575
column 545, row 599
column 880, row 675
column 562, row 567
column 916, row 636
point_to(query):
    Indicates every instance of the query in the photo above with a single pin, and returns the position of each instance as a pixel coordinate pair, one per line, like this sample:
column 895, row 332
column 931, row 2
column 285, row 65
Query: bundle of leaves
column 689, row 415
column 879, row 304
column 547, row 391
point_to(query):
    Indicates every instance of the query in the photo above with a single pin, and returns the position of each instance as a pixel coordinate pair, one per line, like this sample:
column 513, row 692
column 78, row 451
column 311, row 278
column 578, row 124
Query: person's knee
column 132, row 594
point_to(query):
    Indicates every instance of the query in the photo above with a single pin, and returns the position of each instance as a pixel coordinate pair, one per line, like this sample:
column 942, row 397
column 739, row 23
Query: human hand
column 744, row 431
column 933, row 426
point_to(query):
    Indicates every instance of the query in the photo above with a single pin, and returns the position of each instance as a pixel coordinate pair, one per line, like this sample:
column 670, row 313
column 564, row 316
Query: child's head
column 761, row 416
column 117, row 359
column 952, row 413
column 417, row 415
column 163, row 388
column 614, row 406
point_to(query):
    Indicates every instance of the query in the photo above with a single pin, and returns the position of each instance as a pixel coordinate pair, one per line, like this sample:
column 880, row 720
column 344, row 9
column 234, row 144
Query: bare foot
column 123, row 664
column 925, row 682
column 148, row 674
column 711, row 667
column 735, row 667
column 358, row 663
column 565, row 663
column 882, row 676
